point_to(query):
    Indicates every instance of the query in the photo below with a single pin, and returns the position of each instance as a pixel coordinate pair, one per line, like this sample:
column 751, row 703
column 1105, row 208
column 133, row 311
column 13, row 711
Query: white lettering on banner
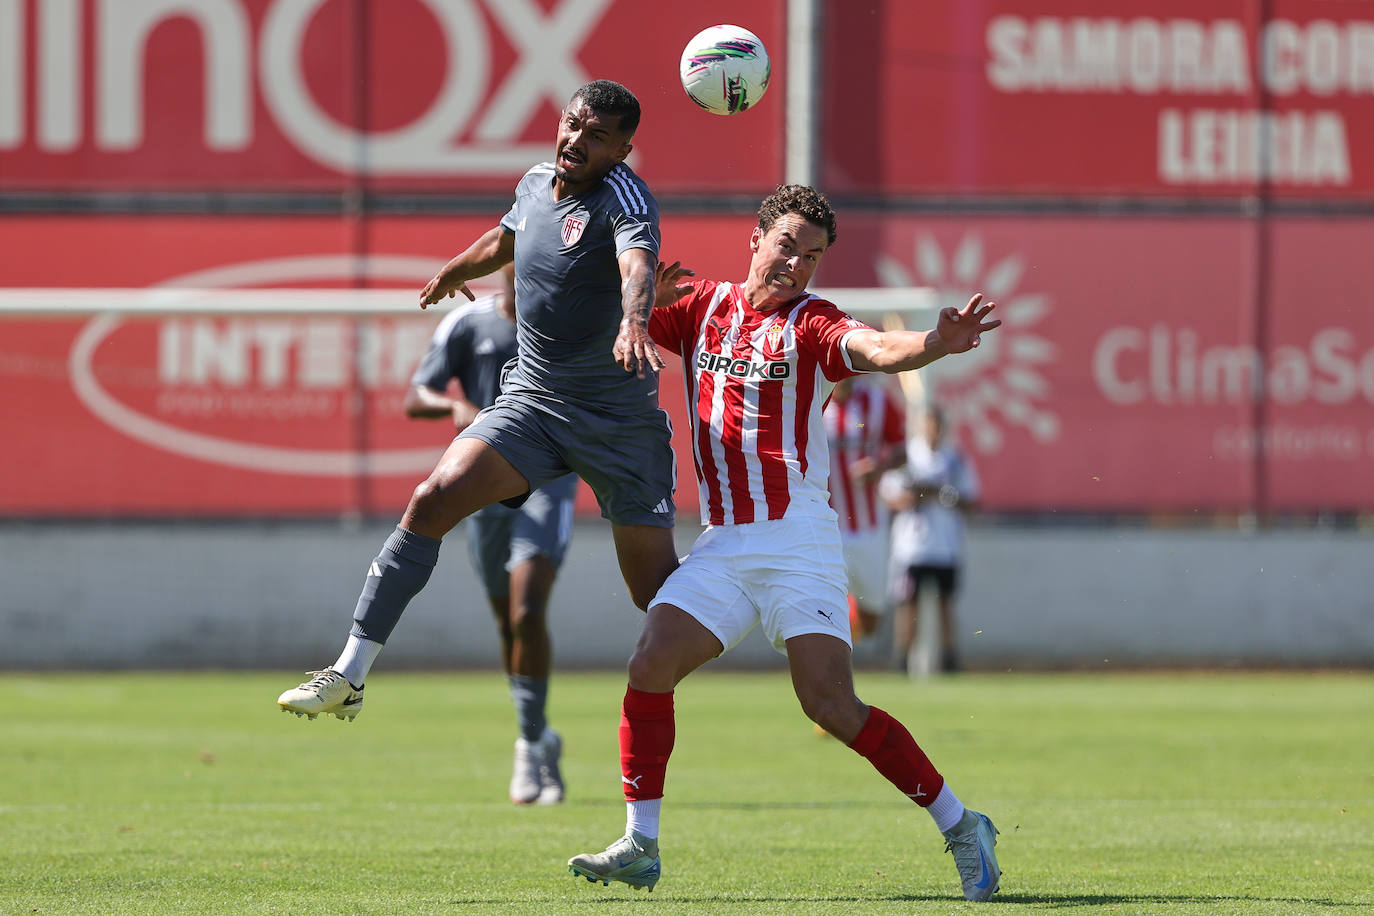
column 1189, row 57
column 1321, row 57
column 59, row 84
column 546, row 70
column 320, row 364
column 57, row 63
column 11, row 72
column 255, row 405
column 1202, row 146
column 271, row 353
column 1164, row 366
column 426, row 146
column 243, row 366
column 1145, row 56
column 1184, row 56
column 1291, row 443
column 123, row 34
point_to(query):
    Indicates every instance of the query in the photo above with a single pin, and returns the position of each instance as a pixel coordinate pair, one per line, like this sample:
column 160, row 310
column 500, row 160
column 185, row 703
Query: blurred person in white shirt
column 929, row 499
column 865, row 428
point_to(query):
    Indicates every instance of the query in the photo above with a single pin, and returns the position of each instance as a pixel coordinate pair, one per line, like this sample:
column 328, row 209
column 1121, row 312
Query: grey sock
column 395, row 576
column 530, row 695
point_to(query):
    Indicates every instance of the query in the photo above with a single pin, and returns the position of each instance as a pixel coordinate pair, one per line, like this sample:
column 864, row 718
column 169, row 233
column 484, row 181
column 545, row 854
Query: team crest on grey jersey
column 572, row 229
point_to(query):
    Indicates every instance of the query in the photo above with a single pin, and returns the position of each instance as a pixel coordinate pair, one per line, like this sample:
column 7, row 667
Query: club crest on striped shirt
column 774, row 334
column 572, row 229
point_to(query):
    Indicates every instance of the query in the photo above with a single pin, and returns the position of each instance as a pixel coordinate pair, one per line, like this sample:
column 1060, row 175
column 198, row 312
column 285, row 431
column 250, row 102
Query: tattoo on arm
column 637, row 296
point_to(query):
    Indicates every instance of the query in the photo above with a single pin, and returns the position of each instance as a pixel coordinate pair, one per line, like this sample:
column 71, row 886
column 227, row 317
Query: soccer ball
column 725, row 69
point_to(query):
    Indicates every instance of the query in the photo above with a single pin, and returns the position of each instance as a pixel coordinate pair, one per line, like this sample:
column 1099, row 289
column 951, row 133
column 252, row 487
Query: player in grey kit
column 517, row 552
column 582, row 397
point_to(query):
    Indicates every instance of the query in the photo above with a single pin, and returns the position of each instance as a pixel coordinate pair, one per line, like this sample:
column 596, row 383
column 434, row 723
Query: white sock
column 946, row 809
column 642, row 816
column 356, row 659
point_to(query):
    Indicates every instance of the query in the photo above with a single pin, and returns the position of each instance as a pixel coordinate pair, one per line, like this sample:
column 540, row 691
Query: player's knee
column 652, row 670
column 528, row 620
column 426, row 500
column 641, row 666
column 833, row 711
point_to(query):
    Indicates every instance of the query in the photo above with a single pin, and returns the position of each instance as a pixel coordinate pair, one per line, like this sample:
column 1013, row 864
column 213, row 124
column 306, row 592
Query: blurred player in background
column 517, row 552
column 865, row 427
column 583, row 393
column 929, row 499
column 763, row 356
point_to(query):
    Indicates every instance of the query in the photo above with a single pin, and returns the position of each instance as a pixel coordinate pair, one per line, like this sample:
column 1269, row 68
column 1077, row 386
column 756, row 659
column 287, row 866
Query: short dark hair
column 610, row 98
column 802, row 200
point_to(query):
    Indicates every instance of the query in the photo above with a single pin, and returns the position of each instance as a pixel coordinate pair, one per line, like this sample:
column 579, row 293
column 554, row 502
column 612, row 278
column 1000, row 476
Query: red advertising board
column 256, row 414
column 1124, row 376
column 1061, row 407
column 1155, row 97
column 1319, row 423
column 1122, row 379
column 436, row 94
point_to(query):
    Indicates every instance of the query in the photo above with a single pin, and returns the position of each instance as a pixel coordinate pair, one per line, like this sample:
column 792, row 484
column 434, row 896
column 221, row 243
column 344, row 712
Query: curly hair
column 802, row 200
column 610, row 98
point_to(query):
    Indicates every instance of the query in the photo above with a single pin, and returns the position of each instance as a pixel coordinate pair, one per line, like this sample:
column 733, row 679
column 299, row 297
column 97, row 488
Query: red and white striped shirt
column 870, row 423
column 756, row 384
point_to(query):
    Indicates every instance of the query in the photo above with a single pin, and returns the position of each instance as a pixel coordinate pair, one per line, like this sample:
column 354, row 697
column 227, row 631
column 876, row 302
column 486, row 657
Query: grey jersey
column 567, row 289
column 472, row 343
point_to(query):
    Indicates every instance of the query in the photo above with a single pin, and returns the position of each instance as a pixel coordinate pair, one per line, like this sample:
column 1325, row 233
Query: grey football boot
column 633, row 859
column 972, row 841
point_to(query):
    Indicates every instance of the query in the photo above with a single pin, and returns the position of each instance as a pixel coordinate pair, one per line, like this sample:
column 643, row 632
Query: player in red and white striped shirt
column 761, row 357
column 865, row 424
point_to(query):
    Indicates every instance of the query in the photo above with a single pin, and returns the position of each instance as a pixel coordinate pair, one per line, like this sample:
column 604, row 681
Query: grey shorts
column 627, row 460
column 501, row 538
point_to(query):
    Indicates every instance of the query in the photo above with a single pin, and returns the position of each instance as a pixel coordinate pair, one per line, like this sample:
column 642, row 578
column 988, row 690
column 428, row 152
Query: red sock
column 887, row 745
column 646, row 741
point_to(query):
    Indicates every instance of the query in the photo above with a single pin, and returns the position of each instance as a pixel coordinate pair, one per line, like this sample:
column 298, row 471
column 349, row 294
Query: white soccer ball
column 725, row 69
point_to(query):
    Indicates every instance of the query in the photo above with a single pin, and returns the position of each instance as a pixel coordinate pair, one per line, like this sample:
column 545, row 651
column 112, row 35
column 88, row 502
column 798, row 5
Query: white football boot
column 524, row 778
column 550, row 776
column 327, row 692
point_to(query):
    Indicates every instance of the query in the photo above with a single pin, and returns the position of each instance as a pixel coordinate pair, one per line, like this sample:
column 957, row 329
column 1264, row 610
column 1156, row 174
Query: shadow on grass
column 1064, row 901
column 1061, row 901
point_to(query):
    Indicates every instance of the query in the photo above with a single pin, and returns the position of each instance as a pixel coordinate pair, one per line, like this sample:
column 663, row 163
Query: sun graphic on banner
column 999, row 383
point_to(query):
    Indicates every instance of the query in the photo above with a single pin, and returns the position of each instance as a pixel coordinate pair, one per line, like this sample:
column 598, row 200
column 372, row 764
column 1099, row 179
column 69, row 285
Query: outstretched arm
column 423, row 403
column 494, row 250
column 956, row 331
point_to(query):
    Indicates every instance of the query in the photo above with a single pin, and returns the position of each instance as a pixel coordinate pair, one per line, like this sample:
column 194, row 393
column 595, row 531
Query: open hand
column 635, row 350
column 435, row 290
column 961, row 329
column 666, row 288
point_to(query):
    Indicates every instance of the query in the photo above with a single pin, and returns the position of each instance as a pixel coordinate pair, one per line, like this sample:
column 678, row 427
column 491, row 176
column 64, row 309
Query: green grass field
column 1152, row 793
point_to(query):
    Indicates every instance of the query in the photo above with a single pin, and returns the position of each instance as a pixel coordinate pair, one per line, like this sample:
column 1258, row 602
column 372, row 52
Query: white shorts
column 787, row 574
column 866, row 561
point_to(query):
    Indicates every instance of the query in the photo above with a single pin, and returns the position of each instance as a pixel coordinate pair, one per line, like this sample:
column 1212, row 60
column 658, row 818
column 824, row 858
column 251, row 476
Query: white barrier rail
column 161, row 301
